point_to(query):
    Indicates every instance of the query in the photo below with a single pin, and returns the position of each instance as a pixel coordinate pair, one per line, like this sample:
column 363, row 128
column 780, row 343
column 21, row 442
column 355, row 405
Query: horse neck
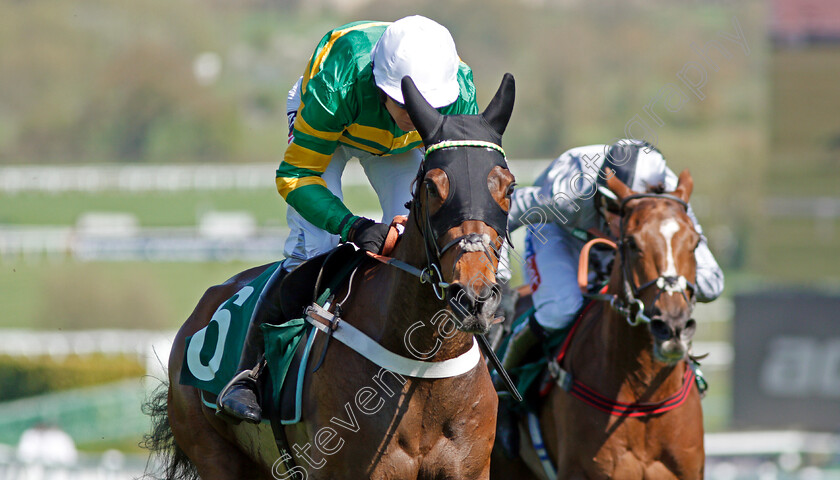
column 627, row 351
column 407, row 302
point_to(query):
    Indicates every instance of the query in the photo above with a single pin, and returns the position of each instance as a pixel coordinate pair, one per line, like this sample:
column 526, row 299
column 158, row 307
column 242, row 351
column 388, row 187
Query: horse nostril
column 660, row 330
column 459, row 300
column 491, row 293
column 688, row 331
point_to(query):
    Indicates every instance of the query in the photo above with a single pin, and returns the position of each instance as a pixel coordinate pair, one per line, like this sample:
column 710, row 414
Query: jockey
column 564, row 200
column 349, row 103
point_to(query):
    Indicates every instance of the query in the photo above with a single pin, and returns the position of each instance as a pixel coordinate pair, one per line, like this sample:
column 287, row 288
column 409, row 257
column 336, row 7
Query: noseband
column 630, row 305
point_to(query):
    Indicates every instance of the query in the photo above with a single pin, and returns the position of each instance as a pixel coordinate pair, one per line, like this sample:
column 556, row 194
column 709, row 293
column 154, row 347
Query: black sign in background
column 786, row 371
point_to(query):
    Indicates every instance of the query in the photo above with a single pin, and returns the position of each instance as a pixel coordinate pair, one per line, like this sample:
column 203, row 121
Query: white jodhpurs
column 551, row 269
column 390, row 177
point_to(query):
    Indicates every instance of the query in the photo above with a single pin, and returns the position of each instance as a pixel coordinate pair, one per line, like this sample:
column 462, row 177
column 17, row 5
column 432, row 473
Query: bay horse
column 360, row 420
column 628, row 409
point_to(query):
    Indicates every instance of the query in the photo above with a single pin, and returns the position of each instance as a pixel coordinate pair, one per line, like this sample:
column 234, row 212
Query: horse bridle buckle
column 325, row 318
column 428, row 276
column 561, row 376
column 640, row 316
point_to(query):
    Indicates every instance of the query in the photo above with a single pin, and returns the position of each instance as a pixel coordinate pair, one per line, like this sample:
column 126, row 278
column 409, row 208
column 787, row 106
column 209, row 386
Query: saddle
column 298, row 290
column 307, row 282
column 312, row 282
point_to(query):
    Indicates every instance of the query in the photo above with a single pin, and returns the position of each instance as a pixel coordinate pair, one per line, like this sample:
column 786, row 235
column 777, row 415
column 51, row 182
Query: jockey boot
column 507, row 427
column 519, row 346
column 240, row 397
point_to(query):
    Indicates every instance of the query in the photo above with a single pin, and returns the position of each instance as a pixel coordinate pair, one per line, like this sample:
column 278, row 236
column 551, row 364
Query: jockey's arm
column 709, row 278
column 549, row 200
column 306, row 192
column 522, row 208
column 320, row 122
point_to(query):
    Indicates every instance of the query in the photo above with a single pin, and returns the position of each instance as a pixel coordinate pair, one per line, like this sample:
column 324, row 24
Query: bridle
column 434, row 252
column 431, row 232
column 431, row 273
column 629, row 305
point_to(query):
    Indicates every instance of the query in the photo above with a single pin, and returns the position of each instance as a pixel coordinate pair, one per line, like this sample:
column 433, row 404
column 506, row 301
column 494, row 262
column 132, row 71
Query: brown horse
column 629, row 409
column 360, row 420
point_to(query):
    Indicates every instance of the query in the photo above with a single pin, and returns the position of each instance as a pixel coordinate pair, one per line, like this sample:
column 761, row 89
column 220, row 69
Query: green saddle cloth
column 212, row 353
column 282, row 342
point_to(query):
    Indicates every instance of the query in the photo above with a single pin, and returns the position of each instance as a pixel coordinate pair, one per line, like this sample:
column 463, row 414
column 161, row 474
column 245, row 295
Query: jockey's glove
column 367, row 234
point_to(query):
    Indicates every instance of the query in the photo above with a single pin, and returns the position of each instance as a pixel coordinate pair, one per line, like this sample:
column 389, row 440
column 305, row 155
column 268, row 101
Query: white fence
column 183, row 244
column 134, row 178
column 150, row 347
column 730, row 455
column 142, row 178
column 111, row 465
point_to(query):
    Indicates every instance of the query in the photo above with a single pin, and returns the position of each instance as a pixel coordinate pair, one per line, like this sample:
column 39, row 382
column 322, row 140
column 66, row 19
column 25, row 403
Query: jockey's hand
column 368, row 235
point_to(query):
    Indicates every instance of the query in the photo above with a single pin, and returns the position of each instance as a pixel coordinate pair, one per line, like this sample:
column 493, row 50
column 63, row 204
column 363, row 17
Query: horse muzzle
column 474, row 311
column 671, row 338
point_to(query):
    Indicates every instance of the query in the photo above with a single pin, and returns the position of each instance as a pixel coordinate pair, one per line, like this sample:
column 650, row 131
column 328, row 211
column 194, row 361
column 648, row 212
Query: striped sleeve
column 320, row 121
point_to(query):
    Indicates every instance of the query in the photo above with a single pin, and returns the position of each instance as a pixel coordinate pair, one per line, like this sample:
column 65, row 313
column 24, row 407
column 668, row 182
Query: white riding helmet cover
column 422, row 49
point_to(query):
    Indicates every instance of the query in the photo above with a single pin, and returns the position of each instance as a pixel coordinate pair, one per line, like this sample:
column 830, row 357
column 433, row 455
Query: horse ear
column 685, row 186
column 498, row 111
column 424, row 117
column 617, row 186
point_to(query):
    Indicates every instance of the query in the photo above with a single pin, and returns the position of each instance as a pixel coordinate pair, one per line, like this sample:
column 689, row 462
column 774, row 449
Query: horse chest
column 417, row 432
column 636, row 450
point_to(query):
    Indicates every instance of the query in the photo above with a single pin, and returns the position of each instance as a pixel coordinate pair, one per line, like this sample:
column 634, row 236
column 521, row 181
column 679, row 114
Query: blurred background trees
column 156, row 81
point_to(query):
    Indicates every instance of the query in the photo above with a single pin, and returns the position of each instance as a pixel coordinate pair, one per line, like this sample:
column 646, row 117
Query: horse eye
column 431, row 188
column 631, row 244
column 509, row 192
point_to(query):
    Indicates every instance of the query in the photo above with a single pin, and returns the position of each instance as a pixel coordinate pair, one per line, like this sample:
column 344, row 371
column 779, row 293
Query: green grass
column 72, row 295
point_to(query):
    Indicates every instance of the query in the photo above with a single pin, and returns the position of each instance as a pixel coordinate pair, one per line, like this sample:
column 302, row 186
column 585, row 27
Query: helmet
column 637, row 163
column 422, row 49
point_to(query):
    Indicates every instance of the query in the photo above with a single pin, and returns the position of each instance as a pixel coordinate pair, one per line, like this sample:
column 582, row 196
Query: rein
column 471, row 242
column 576, row 388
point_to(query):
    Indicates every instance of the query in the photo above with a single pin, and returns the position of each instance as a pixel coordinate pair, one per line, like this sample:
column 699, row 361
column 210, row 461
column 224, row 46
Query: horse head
column 460, row 201
column 658, row 267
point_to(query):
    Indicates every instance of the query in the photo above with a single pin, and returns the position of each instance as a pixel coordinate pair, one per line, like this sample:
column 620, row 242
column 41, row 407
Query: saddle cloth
column 213, row 353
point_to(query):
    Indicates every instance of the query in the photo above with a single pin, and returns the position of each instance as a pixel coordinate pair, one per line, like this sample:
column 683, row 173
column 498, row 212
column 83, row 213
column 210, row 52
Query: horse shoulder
column 683, row 449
